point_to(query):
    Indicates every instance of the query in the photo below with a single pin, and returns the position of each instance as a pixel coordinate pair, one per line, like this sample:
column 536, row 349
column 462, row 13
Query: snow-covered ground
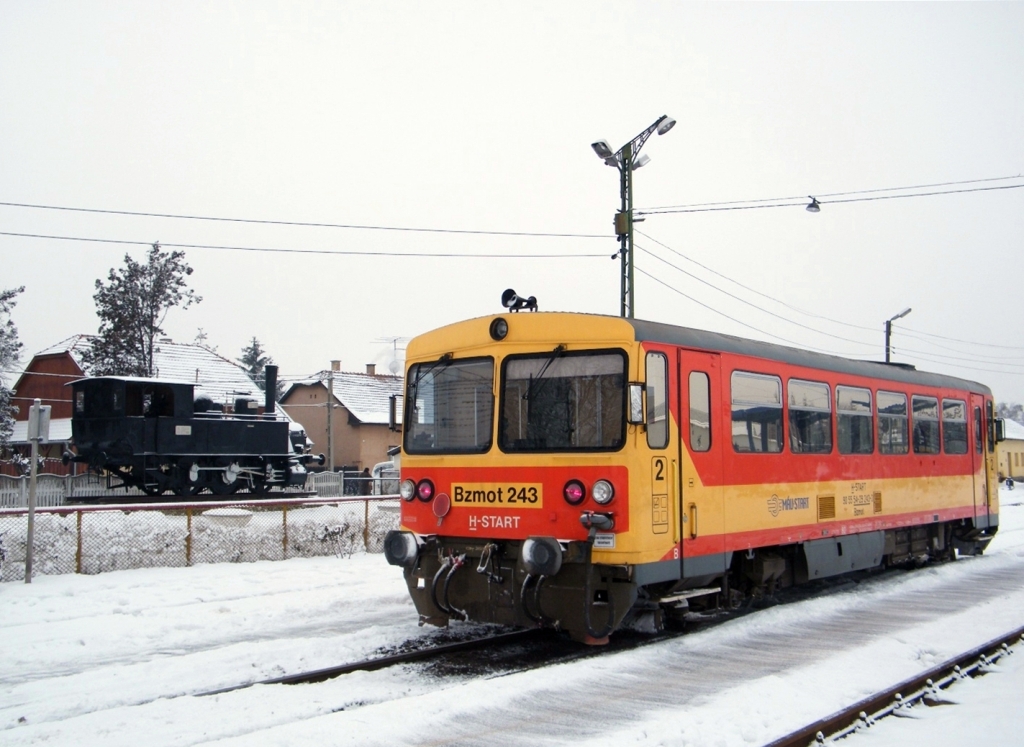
column 118, row 658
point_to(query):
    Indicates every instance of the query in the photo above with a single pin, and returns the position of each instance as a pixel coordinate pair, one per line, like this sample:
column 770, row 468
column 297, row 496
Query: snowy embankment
column 117, row 658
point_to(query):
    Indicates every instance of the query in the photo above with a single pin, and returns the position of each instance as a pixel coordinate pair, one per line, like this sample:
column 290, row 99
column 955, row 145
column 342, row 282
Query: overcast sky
column 478, row 116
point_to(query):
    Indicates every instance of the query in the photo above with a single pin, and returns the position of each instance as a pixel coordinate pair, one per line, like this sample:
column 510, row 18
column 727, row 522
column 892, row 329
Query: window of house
column 853, row 417
column 756, row 412
column 954, row 426
column 700, row 411
column 892, row 423
column 657, row 400
column 926, row 424
column 810, row 417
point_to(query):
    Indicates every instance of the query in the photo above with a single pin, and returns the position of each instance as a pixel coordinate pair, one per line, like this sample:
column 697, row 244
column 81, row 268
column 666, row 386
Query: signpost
column 38, row 430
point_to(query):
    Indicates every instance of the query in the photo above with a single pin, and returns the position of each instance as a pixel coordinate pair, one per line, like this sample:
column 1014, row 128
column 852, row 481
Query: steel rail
column 382, row 662
column 922, row 687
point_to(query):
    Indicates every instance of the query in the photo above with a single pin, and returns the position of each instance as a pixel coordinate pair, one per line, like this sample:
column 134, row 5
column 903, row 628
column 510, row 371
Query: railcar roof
column 703, row 339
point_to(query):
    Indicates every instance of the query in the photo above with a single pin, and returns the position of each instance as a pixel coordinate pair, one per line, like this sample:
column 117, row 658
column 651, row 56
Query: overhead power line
column 786, row 201
column 306, row 224
column 754, row 305
column 843, row 194
column 754, row 290
column 338, row 252
column 1004, row 363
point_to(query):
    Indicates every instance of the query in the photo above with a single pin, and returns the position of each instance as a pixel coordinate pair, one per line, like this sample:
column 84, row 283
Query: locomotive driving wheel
column 260, row 486
column 187, row 482
column 225, row 480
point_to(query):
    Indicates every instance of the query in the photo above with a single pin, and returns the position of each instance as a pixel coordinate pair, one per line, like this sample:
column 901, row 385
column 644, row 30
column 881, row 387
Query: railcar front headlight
column 407, row 490
column 602, row 492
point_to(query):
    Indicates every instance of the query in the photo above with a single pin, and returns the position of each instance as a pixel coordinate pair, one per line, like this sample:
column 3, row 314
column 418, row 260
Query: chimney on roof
column 335, row 365
column 371, row 368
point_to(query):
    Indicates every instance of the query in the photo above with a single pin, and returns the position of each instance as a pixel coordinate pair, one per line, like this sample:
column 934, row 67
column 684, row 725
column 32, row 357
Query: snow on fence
column 94, row 539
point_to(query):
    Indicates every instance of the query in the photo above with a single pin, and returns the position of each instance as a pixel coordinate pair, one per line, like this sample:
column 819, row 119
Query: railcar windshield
column 560, row 401
column 450, row 406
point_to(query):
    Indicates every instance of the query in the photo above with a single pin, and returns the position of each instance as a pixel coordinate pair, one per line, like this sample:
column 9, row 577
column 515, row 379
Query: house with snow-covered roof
column 216, row 377
column 1010, row 452
column 360, row 436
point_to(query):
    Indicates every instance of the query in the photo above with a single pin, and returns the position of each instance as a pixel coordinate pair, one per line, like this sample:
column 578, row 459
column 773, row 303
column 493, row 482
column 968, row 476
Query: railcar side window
column 657, row 400
column 559, row 401
column 810, row 417
column 978, row 445
column 700, row 411
column 756, row 412
column 926, row 424
column 449, row 406
column 892, row 423
column 853, row 415
column 954, row 426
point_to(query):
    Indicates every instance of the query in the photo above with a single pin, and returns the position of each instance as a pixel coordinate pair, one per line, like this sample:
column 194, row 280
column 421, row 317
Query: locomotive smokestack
column 270, row 389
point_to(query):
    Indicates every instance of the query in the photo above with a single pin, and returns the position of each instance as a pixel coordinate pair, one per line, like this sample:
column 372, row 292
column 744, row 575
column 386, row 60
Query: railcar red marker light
column 574, row 492
column 425, row 490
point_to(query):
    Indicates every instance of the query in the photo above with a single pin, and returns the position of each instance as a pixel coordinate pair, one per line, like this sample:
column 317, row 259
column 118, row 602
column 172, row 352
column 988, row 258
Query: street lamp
column 626, row 159
column 888, row 331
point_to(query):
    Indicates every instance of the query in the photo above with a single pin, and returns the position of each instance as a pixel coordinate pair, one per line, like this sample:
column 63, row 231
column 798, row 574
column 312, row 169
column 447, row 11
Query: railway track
column 924, row 688
column 547, row 646
column 389, row 660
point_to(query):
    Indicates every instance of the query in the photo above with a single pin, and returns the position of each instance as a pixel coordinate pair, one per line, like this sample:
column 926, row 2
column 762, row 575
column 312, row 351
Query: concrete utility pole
column 330, row 415
column 888, row 332
column 627, row 159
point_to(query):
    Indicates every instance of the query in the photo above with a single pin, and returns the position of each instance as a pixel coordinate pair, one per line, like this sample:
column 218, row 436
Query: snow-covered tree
column 254, row 359
column 10, row 354
column 1010, row 411
column 132, row 306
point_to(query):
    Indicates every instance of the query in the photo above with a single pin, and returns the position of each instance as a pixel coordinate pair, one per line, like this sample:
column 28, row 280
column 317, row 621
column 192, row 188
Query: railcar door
column 978, row 457
column 700, row 509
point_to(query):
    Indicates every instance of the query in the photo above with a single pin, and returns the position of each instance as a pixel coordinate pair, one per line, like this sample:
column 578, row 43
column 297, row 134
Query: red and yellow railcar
column 579, row 471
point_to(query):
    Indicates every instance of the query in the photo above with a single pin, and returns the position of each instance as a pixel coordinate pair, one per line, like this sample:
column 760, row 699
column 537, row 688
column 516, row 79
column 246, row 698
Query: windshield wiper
column 530, row 391
column 446, row 359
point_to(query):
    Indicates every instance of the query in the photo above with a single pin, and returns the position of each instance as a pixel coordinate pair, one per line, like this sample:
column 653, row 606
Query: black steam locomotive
column 154, row 435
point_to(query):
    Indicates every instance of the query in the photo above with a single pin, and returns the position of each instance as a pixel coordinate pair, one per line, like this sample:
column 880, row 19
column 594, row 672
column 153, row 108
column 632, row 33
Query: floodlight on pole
column 888, row 331
column 626, row 159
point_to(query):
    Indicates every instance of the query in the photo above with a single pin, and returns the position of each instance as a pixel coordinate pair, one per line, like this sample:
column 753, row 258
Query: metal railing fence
column 56, row 490
column 94, row 539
